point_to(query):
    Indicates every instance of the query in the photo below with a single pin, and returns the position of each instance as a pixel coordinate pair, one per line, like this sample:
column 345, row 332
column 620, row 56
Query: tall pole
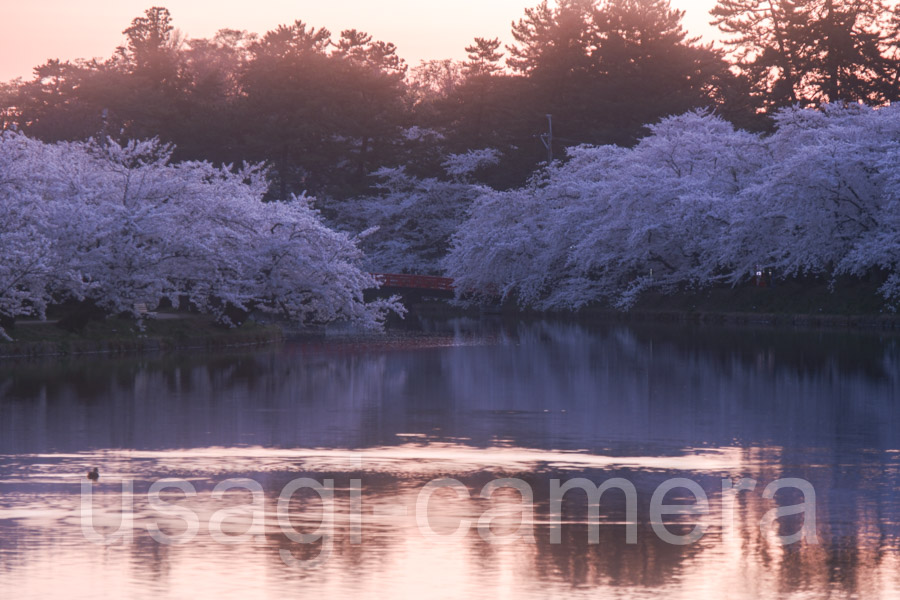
column 547, row 139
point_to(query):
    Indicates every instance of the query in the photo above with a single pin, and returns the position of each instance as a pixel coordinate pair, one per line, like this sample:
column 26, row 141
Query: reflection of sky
column 425, row 458
column 43, row 551
column 533, row 401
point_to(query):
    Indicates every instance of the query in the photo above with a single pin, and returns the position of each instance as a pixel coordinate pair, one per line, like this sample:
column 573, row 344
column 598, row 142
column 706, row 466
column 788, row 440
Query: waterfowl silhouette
column 94, row 475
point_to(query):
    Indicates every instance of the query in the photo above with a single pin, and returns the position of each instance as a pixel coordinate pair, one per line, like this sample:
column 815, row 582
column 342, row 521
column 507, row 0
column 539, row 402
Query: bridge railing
column 421, row 282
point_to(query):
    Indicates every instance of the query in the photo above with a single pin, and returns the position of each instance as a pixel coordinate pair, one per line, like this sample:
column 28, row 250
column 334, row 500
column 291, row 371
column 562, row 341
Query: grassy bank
column 117, row 335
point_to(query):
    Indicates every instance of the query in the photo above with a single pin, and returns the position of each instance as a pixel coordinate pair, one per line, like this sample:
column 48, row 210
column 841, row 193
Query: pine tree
column 650, row 68
column 553, row 42
column 766, row 45
column 484, row 57
column 812, row 51
column 851, row 63
column 152, row 45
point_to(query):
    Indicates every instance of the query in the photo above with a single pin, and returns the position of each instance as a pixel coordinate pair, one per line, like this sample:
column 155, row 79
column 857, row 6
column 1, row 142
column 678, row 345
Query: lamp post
column 547, row 139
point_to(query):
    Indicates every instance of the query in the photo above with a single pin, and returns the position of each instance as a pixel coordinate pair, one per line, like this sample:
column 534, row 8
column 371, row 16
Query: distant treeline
column 327, row 110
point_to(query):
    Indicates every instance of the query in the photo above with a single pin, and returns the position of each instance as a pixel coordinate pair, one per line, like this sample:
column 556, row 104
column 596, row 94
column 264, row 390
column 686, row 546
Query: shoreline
column 115, row 337
column 861, row 322
column 858, row 322
column 255, row 334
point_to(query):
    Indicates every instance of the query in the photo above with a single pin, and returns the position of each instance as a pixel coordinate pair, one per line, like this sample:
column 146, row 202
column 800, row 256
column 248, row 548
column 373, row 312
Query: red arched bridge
column 415, row 287
column 421, row 283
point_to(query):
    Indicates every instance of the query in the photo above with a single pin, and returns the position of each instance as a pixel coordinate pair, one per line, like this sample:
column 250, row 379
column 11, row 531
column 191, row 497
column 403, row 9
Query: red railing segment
column 422, row 282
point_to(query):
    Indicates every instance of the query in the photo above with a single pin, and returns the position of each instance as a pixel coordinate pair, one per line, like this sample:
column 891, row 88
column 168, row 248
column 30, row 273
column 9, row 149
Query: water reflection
column 476, row 402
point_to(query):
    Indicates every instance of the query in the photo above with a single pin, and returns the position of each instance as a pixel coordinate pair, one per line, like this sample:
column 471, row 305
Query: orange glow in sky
column 32, row 32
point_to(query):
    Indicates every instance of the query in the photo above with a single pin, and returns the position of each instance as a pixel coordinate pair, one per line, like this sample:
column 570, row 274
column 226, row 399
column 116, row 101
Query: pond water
column 411, row 438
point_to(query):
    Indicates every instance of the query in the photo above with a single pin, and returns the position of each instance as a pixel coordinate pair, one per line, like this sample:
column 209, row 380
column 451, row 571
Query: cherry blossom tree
column 612, row 222
column 407, row 226
column 696, row 203
column 122, row 225
column 822, row 193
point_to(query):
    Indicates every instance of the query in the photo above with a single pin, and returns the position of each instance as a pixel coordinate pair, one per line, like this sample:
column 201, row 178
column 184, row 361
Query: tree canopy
column 661, row 177
column 120, row 225
column 327, row 110
column 813, row 51
column 696, row 203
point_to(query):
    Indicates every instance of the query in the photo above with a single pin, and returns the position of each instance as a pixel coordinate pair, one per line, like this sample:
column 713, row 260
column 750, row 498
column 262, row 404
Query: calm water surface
column 475, row 401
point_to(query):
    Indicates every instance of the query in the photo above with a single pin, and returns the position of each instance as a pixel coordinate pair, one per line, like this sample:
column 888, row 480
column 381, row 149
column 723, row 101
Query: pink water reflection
column 45, row 555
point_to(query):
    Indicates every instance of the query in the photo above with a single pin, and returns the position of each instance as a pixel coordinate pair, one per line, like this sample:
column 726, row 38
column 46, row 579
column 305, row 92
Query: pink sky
column 33, row 31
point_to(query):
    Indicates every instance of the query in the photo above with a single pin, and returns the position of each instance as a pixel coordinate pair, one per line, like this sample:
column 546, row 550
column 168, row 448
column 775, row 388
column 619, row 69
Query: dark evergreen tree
column 812, row 51
column 603, row 69
column 370, row 97
column 51, row 105
column 852, row 52
column 484, row 57
column 648, row 67
column 213, row 125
